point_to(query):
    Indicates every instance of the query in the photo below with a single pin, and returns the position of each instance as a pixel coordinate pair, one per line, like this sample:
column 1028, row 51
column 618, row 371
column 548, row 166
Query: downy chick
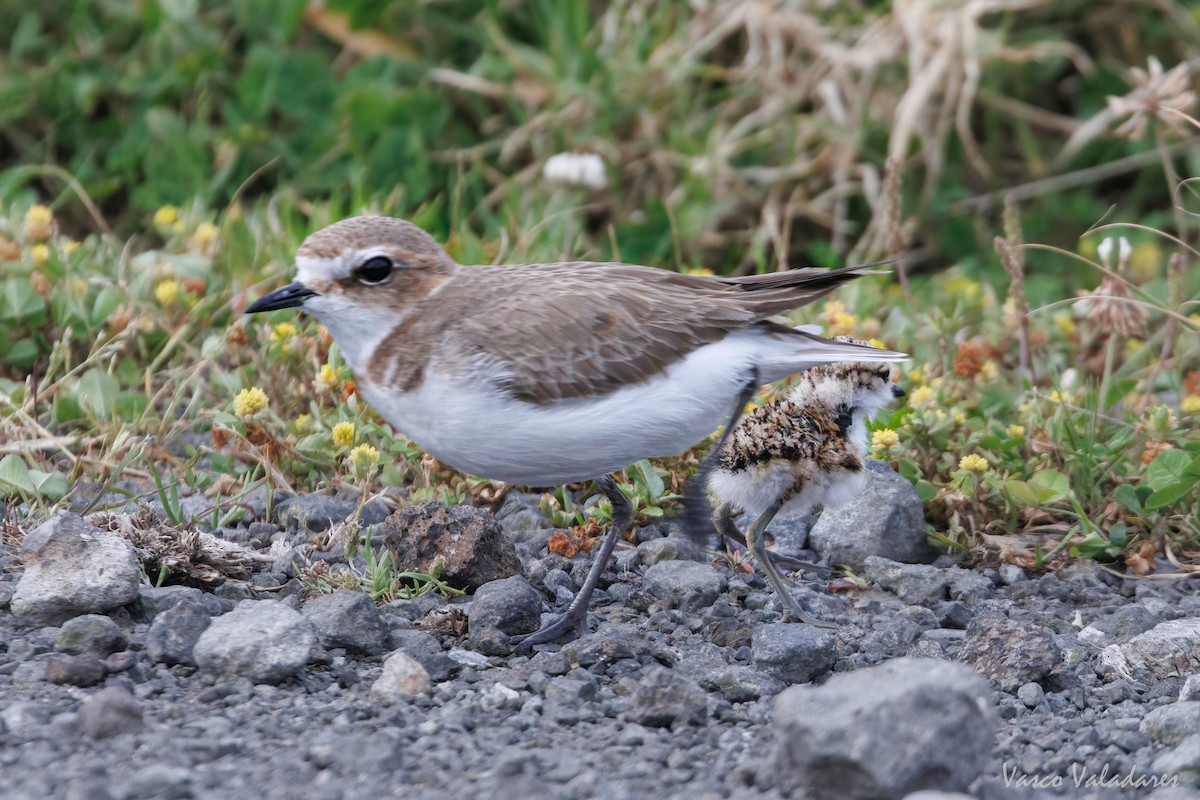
column 803, row 451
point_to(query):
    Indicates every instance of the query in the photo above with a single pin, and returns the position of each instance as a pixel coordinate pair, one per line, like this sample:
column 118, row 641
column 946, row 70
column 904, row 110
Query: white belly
column 478, row 431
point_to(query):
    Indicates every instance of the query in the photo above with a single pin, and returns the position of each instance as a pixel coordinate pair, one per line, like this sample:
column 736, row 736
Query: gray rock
column 968, row 585
column 161, row 782
column 1119, row 626
column 426, row 649
column 930, row 794
column 468, row 542
column 688, row 585
column 153, row 600
column 110, row 712
column 1191, row 688
column 884, row 731
column 793, row 652
column 74, row 670
column 741, row 684
column 510, row 606
column 403, row 677
column 347, row 619
column 263, row 640
column 91, row 633
column 72, row 569
column 1031, row 694
column 319, row 512
column 1009, row 652
column 1011, row 574
column 1168, row 649
column 1172, row 723
column 612, row 642
column 916, row 584
column 886, row 519
column 666, row 698
column 173, row 634
column 1181, row 761
column 668, row 548
column 25, row 717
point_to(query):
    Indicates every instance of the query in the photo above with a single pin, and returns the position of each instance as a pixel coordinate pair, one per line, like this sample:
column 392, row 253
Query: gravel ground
column 992, row 683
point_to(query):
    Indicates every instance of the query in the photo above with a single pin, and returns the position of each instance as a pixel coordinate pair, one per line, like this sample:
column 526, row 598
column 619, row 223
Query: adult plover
column 545, row 374
column 802, row 451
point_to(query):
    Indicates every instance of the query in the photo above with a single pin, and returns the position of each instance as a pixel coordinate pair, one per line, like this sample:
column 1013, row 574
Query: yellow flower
column 70, row 247
column 206, row 233
column 302, row 423
column 40, row 253
column 1063, row 396
column 363, row 457
column 1025, row 407
column 1144, row 262
column 961, row 285
column 282, row 332
column 885, row 438
column 1065, row 323
column 326, row 378
column 959, row 417
column 699, row 271
column 1015, row 431
column 1190, row 405
column 39, row 222
column 249, row 402
column 989, row 371
column 877, row 343
column 973, row 463
column 842, row 324
column 167, row 293
column 920, row 396
column 1132, row 346
column 939, row 414
column 167, row 215
column 343, row 434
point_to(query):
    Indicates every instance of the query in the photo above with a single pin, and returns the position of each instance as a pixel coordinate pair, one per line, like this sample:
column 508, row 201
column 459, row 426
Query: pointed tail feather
column 787, row 351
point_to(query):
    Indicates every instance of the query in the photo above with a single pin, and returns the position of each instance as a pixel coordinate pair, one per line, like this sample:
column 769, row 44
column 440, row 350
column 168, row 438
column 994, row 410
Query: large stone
column 1009, row 652
column 793, row 652
column 1171, row 724
column 91, row 633
column 883, row 732
column 1168, row 649
column 468, row 542
column 510, row 607
column 263, row 640
column 666, row 698
column 687, row 585
column 71, row 569
column 347, row 619
column 886, row 519
column 173, row 634
column 915, row 584
column 403, row 677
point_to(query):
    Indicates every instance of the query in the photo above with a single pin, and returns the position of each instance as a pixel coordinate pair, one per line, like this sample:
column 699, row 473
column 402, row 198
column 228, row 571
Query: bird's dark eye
column 374, row 270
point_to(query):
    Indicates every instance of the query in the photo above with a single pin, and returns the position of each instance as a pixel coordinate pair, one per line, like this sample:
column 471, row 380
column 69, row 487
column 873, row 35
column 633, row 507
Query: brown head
column 360, row 277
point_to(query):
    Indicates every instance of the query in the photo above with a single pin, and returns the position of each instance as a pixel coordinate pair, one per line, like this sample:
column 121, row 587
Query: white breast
column 475, row 429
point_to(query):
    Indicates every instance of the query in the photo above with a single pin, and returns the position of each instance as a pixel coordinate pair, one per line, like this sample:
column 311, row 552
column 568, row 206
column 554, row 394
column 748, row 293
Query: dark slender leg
column 576, row 615
column 697, row 513
column 728, row 531
column 754, row 538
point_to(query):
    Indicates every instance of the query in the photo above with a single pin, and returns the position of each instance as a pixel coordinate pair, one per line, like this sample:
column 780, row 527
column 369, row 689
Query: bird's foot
column 573, row 619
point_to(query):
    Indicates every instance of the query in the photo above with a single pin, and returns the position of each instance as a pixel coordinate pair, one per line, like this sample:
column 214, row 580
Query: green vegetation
column 160, row 162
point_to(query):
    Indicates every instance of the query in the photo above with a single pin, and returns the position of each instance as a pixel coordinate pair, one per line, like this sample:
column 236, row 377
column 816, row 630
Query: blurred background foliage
column 737, row 135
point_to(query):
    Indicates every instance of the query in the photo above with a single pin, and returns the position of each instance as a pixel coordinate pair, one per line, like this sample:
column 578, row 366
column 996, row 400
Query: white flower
column 1070, row 377
column 1105, row 252
column 1125, row 251
column 576, row 169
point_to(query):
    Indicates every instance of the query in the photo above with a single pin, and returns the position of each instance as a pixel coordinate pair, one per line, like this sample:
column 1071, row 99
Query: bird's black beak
column 290, row 296
column 897, row 389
